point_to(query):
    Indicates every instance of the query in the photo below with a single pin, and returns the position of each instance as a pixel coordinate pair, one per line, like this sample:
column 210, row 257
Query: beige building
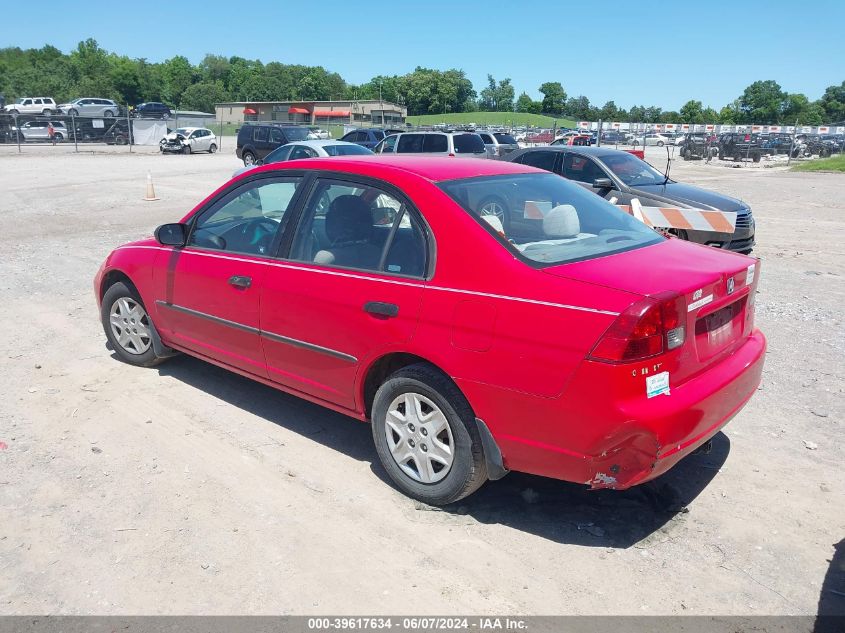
column 368, row 112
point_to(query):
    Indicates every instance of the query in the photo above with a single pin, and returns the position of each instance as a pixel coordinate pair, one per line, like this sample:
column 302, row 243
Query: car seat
column 349, row 229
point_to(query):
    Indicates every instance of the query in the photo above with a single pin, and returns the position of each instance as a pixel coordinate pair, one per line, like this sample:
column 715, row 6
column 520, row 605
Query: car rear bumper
column 592, row 436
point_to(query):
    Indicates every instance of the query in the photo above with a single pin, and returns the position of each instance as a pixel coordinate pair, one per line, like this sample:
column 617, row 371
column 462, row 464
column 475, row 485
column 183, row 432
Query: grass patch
column 834, row 163
column 503, row 119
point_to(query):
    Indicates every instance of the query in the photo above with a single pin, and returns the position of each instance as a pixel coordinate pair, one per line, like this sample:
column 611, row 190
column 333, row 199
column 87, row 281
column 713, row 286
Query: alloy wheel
column 494, row 208
column 419, row 438
column 130, row 325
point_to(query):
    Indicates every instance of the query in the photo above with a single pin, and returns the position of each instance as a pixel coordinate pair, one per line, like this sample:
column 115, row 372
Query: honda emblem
column 730, row 285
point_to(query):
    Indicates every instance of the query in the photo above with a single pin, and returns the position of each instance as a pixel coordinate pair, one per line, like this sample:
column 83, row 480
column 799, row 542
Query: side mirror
column 602, row 183
column 174, row 234
column 259, row 162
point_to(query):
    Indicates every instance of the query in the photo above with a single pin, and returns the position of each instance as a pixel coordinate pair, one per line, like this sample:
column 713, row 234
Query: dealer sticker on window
column 657, row 385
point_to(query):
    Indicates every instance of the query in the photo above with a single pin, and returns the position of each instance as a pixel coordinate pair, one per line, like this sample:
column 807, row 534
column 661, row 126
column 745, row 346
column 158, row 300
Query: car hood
column 690, row 196
column 173, row 136
column 672, row 264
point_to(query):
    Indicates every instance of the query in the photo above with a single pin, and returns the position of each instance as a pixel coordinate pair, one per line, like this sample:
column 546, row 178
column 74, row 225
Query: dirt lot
column 187, row 490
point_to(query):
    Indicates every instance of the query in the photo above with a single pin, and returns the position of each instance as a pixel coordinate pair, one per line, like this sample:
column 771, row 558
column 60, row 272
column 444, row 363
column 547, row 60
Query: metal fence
column 84, row 133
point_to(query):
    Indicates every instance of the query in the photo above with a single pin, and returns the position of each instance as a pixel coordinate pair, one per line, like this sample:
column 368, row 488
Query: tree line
column 91, row 71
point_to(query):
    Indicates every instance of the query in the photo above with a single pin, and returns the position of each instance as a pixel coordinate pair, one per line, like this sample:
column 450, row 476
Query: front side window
column 278, row 155
column 358, row 226
column 410, row 144
column 546, row 220
column 581, row 168
column 301, row 151
column 388, row 145
column 276, row 136
column 247, row 220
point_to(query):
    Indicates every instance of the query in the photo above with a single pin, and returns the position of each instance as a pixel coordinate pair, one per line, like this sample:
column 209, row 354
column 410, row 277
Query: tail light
column 648, row 328
column 747, row 137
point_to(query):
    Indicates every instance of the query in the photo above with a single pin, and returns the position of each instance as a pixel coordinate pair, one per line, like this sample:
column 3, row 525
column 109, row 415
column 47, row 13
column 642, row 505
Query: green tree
column 691, row 112
column 609, row 112
column 761, row 102
column 526, row 104
column 554, row 97
column 203, row 96
column 833, row 103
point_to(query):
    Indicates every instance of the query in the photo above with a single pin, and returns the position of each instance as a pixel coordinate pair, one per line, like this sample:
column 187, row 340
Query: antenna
column 668, row 164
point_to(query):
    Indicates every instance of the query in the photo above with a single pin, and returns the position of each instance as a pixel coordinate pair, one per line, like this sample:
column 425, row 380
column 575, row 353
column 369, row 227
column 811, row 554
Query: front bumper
column 171, row 147
column 740, row 241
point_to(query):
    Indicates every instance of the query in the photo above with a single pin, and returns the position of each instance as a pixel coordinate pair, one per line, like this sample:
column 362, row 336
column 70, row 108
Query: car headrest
column 348, row 220
column 562, row 221
column 495, row 222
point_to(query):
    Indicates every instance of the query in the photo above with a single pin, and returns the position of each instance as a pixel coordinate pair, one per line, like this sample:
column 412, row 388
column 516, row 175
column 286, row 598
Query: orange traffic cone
column 151, row 192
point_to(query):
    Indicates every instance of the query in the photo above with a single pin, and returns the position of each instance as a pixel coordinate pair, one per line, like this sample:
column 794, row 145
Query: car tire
column 249, row 159
column 46, row 112
column 186, row 149
column 447, row 419
column 212, row 149
column 659, row 143
column 687, row 154
column 755, row 157
column 72, row 112
column 119, row 140
column 12, row 112
column 59, row 137
column 128, row 327
column 108, row 114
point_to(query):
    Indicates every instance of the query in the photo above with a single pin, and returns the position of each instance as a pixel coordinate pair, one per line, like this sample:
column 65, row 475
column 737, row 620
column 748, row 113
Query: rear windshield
column 346, row 150
column 296, row 133
column 505, row 139
column 378, row 135
column 469, row 144
column 546, row 220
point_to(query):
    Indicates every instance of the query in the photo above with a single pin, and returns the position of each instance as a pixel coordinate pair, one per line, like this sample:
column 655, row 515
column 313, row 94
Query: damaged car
column 186, row 140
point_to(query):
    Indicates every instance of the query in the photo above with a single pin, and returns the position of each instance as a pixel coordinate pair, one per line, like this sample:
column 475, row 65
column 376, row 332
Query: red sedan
column 548, row 333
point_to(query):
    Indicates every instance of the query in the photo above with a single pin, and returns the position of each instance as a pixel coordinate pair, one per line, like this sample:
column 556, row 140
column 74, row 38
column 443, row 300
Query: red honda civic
column 548, row 333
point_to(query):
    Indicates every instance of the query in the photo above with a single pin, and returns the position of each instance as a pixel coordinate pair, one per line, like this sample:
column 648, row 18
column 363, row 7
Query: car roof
column 321, row 142
column 434, row 169
column 592, row 150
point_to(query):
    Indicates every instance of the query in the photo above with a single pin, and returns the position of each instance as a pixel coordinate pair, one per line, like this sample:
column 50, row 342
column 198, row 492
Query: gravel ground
column 186, row 489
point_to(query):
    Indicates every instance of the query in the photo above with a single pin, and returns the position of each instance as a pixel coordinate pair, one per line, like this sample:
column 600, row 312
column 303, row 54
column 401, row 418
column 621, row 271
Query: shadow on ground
column 555, row 510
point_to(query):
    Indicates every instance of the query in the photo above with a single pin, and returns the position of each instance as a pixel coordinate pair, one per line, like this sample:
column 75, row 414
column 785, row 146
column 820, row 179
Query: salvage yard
column 186, row 489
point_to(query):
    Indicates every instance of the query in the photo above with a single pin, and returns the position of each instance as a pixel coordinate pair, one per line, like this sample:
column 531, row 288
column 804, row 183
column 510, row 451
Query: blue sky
column 645, row 52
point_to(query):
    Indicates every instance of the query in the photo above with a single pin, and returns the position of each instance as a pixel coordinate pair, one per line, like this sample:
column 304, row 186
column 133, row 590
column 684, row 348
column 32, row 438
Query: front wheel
column 186, row 149
column 426, row 436
column 128, row 327
column 495, row 207
column 212, row 148
column 72, row 112
column 659, row 143
column 249, row 159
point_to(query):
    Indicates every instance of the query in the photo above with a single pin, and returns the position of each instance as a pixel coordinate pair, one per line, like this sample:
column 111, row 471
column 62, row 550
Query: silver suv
column 459, row 144
column 498, row 143
column 89, row 106
column 32, row 105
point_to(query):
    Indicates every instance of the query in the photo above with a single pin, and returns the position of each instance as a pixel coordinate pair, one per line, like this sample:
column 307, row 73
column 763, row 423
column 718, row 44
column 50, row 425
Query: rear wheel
column 58, row 136
column 426, row 436
column 659, row 143
column 108, row 114
column 212, row 148
column 46, row 111
column 128, row 327
column 756, row 157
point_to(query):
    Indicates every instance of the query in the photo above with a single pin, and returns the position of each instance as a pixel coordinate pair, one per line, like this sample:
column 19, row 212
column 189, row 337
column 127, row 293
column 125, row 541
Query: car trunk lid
column 717, row 287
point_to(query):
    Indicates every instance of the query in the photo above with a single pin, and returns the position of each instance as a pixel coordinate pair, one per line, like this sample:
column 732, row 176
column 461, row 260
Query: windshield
column 184, row 131
column 631, row 170
column 296, row 133
column 545, row 219
column 346, row 150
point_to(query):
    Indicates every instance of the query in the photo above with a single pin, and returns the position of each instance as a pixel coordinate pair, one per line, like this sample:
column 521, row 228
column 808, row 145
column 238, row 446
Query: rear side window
column 377, row 135
column 260, row 134
column 388, row 145
column 410, row 143
column 486, row 138
column 469, row 144
column 541, row 160
column 435, row 143
column 581, row 168
column 505, row 139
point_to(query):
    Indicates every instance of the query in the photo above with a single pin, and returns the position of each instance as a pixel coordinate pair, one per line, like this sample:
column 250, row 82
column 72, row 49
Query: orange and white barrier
column 687, row 219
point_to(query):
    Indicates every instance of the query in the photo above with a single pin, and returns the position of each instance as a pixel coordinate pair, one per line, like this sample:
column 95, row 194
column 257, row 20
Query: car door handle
column 240, row 281
column 380, row 308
